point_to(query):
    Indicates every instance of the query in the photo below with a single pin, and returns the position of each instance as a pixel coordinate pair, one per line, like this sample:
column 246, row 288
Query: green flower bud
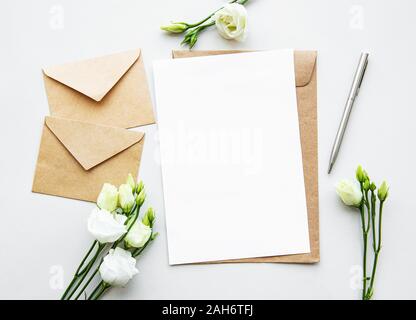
column 383, row 191
column 360, row 174
column 194, row 39
column 366, row 185
column 177, row 27
column 126, row 197
column 140, row 187
column 130, row 182
column 141, row 197
column 366, row 177
column 149, row 217
column 373, row 186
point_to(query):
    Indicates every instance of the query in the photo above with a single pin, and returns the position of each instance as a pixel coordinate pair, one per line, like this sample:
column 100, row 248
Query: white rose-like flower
column 105, row 226
column 349, row 193
column 118, row 267
column 108, row 197
column 125, row 197
column 231, row 21
column 138, row 235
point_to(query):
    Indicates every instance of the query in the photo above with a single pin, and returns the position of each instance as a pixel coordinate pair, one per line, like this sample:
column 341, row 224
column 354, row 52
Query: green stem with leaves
column 194, row 29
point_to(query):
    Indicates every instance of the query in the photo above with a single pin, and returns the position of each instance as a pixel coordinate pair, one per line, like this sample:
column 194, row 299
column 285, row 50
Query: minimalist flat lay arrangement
column 237, row 135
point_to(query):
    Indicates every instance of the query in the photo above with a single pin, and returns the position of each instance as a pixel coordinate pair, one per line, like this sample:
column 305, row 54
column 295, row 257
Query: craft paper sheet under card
column 231, row 157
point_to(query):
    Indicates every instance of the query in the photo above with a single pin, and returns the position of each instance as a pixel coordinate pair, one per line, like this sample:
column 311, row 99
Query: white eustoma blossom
column 231, row 21
column 125, row 197
column 105, row 226
column 349, row 193
column 138, row 235
column 108, row 197
column 118, row 267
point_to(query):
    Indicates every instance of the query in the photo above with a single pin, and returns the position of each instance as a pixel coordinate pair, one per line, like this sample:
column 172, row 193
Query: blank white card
column 231, row 157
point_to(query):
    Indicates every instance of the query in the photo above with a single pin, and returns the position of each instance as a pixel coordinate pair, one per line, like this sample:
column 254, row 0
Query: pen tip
column 330, row 167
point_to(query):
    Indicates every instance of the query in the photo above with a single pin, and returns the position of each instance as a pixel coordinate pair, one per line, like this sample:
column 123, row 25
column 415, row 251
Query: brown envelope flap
column 94, row 77
column 91, row 144
column 304, row 61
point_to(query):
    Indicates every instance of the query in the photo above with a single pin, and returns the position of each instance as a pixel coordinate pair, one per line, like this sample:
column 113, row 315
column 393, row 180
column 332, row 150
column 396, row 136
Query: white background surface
column 41, row 234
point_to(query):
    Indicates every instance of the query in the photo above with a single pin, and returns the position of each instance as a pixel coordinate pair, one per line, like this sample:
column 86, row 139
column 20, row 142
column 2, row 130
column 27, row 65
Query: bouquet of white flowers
column 120, row 237
column 364, row 198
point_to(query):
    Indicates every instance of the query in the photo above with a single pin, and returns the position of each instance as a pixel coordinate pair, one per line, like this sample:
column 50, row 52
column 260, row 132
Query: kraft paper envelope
column 110, row 90
column 76, row 158
column 306, row 91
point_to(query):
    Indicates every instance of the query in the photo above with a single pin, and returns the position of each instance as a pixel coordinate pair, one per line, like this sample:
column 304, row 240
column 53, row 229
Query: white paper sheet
column 231, row 157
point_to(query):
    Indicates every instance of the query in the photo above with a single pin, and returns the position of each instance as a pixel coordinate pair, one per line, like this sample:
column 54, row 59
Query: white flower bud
column 125, row 197
column 130, row 181
column 108, row 198
column 138, row 235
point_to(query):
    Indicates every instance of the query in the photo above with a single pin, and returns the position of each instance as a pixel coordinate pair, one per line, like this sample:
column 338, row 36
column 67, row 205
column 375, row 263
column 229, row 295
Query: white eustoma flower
column 108, row 197
column 138, row 235
column 349, row 193
column 231, row 21
column 118, row 267
column 125, row 197
column 105, row 226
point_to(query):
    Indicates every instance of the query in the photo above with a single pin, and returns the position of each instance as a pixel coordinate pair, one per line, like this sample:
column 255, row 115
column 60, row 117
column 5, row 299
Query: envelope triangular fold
column 94, row 77
column 91, row 144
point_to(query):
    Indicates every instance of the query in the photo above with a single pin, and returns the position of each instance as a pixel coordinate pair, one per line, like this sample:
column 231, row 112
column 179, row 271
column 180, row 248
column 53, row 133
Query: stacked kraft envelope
column 306, row 93
column 85, row 141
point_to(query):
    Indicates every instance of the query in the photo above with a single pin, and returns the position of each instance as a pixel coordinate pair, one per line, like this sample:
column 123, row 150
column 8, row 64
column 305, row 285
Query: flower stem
column 79, row 271
column 376, row 252
column 211, row 15
column 104, row 288
column 87, row 283
column 87, row 270
column 373, row 219
column 138, row 251
column 99, row 290
column 365, row 240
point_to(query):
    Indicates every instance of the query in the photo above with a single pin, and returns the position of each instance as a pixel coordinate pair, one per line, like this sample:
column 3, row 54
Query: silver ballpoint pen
column 355, row 88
